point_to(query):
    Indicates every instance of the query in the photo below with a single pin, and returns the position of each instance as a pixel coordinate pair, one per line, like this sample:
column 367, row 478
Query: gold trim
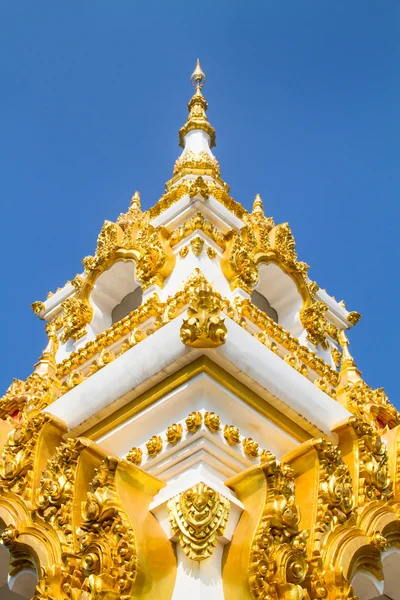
column 201, row 365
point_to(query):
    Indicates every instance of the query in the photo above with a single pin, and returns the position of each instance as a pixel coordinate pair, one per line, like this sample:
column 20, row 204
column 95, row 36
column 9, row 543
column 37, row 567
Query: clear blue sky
column 304, row 96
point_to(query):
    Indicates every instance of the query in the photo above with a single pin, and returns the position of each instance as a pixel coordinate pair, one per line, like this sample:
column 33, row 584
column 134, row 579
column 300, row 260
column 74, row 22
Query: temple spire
column 197, row 118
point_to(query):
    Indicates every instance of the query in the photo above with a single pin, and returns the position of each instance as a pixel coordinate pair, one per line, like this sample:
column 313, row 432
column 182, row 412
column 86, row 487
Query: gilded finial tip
column 198, row 77
column 135, row 199
column 258, row 204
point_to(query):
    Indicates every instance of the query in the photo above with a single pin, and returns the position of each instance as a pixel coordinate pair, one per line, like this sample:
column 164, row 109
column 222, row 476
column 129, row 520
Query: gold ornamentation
column 212, row 422
column 211, row 253
column 370, row 405
column 135, row 456
column 22, row 397
column 313, row 288
column 353, row 317
column 104, row 358
column 374, row 475
column 38, row 307
column 107, row 542
column 197, row 223
column 18, row 457
column 197, row 107
column 250, row 447
column 200, row 164
column 154, row 445
column 278, row 552
column 197, row 245
column 379, row 541
column 314, row 321
column 56, row 492
column 73, row 379
column 174, row 433
column 9, row 535
column 194, row 421
column 198, row 517
column 77, row 314
column 232, row 434
column 282, row 242
column 135, row 337
column 333, row 332
column 336, row 501
column 198, row 187
column 336, row 356
column 156, row 257
column 184, row 251
column 237, row 262
column 204, row 327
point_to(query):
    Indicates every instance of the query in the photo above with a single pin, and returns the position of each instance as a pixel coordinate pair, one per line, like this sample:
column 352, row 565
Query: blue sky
column 304, row 97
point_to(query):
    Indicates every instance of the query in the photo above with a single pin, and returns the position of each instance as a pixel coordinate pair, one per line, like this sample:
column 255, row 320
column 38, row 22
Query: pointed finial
column 258, row 205
column 47, row 361
column 197, row 118
column 349, row 372
column 135, row 201
column 198, row 77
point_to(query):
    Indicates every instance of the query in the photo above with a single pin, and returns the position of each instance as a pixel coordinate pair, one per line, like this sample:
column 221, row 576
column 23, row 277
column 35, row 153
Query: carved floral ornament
column 198, row 517
column 193, row 422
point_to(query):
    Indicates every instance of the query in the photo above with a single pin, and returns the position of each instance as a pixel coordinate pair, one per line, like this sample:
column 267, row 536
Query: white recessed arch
column 282, row 294
column 110, row 288
column 369, row 587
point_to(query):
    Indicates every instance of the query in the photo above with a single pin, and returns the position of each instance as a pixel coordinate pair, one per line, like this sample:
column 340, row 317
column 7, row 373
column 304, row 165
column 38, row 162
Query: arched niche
column 282, row 295
column 369, row 587
column 23, row 583
column 128, row 303
column 263, row 304
column 109, row 291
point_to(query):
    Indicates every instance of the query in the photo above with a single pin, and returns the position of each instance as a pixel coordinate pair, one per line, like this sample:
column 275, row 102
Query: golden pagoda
column 196, row 426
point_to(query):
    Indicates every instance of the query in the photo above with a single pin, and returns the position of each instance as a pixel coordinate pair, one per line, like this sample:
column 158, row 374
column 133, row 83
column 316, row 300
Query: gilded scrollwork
column 38, row 307
column 198, row 517
column 203, row 327
column 278, row 561
column 353, row 317
column 56, row 489
column 77, row 314
column 108, row 562
column 197, row 245
column 237, row 263
column 18, row 457
column 336, row 501
column 201, row 163
column 156, row 257
column 314, row 321
column 374, row 475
